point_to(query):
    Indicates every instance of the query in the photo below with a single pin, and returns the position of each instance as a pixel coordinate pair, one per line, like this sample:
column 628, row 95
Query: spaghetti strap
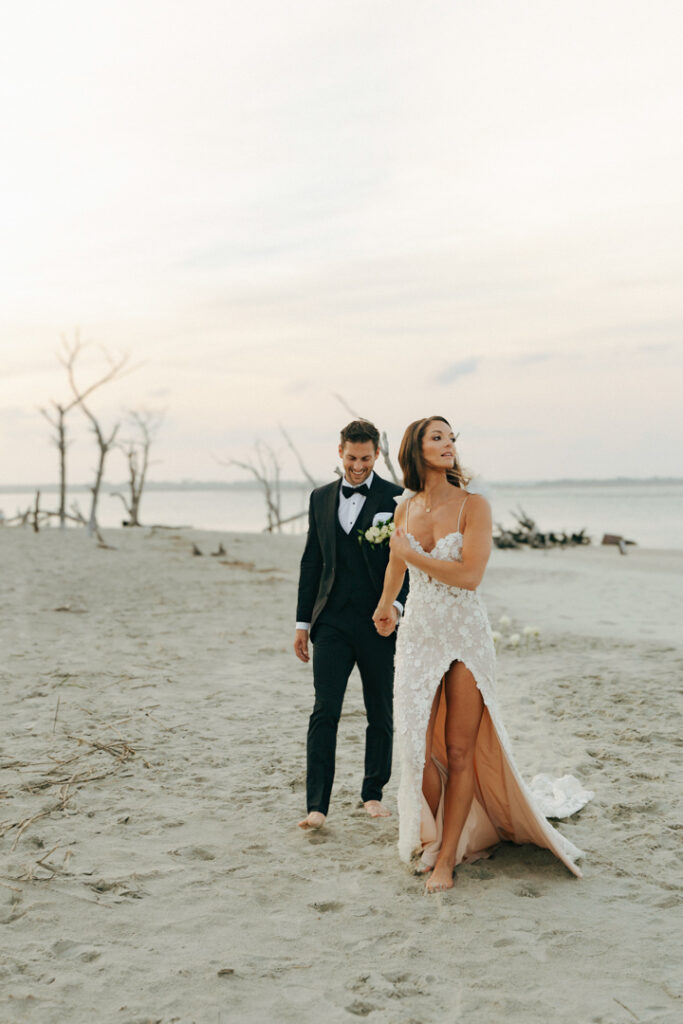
column 460, row 512
column 408, row 512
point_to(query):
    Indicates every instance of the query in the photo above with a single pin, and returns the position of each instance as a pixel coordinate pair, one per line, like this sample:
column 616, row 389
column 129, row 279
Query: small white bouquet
column 379, row 534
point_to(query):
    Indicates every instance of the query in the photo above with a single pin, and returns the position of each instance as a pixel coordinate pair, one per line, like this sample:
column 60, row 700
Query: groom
column 340, row 583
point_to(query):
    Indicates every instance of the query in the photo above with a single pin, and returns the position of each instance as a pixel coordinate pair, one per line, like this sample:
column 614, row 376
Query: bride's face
column 438, row 446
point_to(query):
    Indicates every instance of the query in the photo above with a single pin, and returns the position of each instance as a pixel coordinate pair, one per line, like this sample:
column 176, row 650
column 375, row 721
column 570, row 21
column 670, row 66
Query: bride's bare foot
column 376, row 810
column 442, row 879
column 314, row 819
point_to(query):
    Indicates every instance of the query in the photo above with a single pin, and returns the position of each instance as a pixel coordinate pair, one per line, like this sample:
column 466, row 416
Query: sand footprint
column 529, row 891
column 325, row 908
column 193, row 853
column 360, row 1009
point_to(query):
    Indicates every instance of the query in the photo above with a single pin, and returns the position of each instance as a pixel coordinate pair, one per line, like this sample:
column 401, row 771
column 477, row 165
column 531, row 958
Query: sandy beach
column 153, row 767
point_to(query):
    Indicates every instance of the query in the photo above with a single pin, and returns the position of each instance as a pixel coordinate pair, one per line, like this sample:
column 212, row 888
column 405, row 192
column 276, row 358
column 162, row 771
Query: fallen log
column 618, row 541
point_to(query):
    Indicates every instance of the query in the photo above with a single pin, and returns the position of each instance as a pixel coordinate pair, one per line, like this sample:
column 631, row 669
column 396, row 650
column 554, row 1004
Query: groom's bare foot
column 314, row 819
column 376, row 810
column 441, row 879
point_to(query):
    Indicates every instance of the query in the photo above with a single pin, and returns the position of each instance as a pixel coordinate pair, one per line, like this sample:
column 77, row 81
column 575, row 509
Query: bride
column 460, row 792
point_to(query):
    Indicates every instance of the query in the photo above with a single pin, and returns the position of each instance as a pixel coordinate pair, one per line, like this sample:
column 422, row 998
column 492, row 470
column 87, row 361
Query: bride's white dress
column 443, row 624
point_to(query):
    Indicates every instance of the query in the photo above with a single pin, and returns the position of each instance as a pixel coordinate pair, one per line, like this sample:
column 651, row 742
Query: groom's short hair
column 358, row 431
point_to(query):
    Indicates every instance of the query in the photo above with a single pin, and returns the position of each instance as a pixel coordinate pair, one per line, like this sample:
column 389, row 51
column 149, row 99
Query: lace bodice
column 453, row 551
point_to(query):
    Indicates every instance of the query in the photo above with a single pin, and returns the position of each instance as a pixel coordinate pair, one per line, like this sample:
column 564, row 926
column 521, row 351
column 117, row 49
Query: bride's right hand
column 399, row 544
column 382, row 611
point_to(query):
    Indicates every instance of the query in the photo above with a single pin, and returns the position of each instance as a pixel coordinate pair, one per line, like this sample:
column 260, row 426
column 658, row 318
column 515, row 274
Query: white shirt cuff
column 303, row 625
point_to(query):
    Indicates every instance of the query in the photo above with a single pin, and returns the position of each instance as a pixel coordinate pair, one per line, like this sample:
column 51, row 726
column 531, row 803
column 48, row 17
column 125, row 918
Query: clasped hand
column 385, row 619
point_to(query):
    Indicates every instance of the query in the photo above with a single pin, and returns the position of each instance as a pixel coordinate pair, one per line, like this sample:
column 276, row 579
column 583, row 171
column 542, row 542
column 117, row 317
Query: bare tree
column 136, row 451
column 104, row 441
column 67, row 356
column 58, row 421
column 266, row 469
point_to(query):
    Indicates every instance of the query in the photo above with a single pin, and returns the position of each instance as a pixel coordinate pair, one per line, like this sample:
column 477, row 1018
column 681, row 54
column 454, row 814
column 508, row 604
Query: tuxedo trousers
column 342, row 641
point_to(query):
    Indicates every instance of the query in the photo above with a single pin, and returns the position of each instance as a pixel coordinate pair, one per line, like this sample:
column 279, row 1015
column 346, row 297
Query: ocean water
column 650, row 513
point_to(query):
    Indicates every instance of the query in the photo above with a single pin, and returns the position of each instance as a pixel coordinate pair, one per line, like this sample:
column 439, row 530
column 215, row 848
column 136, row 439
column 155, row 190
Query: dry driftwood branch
column 20, row 519
column 44, row 515
column 52, row 773
column 293, row 519
column 36, row 513
column 384, row 449
column 297, row 456
column 528, row 534
column 77, row 514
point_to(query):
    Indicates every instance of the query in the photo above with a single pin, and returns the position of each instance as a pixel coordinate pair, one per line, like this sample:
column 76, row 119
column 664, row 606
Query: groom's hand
column 301, row 645
column 386, row 625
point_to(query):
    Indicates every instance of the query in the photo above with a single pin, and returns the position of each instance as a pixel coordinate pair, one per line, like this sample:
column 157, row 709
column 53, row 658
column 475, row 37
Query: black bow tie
column 349, row 491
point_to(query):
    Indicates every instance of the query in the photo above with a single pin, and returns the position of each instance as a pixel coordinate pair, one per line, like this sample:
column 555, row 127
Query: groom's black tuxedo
column 340, row 584
column 326, row 579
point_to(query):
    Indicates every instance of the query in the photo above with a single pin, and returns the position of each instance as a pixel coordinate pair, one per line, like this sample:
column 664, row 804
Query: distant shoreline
column 250, row 485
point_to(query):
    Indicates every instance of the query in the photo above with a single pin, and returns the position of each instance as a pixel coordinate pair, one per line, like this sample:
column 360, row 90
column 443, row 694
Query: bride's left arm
column 476, row 550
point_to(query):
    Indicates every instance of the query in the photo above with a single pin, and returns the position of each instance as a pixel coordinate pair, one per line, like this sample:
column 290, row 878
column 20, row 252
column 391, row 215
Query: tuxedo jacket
column 319, row 568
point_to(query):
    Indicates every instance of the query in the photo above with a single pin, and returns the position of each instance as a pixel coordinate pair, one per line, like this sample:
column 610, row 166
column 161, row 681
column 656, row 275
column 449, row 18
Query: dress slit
column 502, row 807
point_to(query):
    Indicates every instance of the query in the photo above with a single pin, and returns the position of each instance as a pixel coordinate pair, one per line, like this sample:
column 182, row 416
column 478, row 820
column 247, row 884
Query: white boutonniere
column 379, row 534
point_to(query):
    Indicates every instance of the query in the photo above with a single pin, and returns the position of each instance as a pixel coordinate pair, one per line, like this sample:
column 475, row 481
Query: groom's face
column 358, row 458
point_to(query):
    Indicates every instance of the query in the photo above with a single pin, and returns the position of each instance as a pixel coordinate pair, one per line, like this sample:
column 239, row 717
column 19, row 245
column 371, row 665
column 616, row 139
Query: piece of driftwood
column 618, row 541
column 65, row 773
column 527, row 534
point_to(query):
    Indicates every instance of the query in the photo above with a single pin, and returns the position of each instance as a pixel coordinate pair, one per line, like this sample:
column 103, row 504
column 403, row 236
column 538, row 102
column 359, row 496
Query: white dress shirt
column 350, row 508
column 348, row 511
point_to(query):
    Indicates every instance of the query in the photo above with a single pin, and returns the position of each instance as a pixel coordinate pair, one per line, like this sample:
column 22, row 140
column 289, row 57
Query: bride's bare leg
column 431, row 780
column 464, row 709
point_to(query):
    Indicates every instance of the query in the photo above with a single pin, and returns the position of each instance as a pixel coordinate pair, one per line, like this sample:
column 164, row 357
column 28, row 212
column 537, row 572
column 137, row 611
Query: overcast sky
column 470, row 208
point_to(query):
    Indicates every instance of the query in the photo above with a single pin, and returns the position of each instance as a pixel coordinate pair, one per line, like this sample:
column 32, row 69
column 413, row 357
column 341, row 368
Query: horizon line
column 246, row 483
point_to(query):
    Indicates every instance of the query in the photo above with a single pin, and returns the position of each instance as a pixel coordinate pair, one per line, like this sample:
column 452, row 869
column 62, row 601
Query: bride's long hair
column 411, row 459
